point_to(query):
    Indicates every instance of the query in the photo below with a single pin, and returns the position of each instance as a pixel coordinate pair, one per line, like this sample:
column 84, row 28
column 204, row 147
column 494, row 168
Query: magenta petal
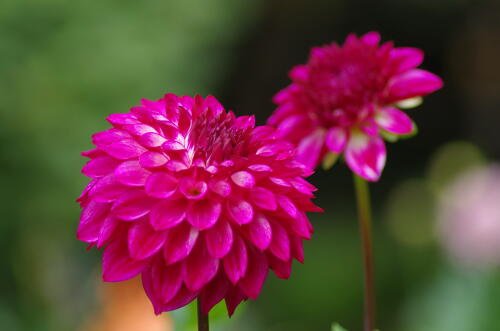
column 193, row 189
column 336, row 139
column 219, row 239
column 235, row 263
column 287, row 206
column 202, row 214
column 180, row 243
column 132, row 205
column 183, row 297
column 233, row 298
column 221, row 187
column 100, row 166
column 371, row 38
column 117, row 265
column 168, row 213
column 300, row 225
column 213, row 293
column 256, row 274
column 413, row 83
column 309, row 148
column 297, row 248
column 161, row 185
column 91, row 221
column 108, row 228
column 167, row 280
column 106, row 189
column 108, row 137
column 199, row 268
column 259, row 232
column 125, row 149
column 282, row 269
column 131, row 173
column 263, row 198
column 394, row 120
column 365, row 156
column 153, row 159
column 406, row 58
column 280, row 243
column 240, row 211
column 243, row 179
column 144, row 241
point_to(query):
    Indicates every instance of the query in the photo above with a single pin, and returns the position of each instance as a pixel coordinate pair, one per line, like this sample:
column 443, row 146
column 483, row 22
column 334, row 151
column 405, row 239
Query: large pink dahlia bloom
column 199, row 202
column 346, row 98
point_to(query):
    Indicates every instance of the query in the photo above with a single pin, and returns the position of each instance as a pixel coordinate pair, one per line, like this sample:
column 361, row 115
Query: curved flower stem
column 365, row 227
column 202, row 318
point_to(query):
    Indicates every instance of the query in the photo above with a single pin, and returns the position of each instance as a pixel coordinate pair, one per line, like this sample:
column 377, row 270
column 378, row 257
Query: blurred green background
column 66, row 65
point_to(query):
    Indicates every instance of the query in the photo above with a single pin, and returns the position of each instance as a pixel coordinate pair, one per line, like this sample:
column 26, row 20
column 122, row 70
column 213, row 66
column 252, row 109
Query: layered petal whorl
column 198, row 201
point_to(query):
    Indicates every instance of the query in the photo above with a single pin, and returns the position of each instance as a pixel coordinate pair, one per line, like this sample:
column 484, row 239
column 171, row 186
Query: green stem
column 365, row 227
column 202, row 318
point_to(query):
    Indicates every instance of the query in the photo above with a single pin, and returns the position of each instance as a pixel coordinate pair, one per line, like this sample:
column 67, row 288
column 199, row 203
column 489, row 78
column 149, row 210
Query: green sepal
column 329, row 160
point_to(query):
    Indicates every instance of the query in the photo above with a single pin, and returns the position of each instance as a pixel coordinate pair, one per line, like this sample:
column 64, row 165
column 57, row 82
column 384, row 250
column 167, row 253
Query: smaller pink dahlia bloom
column 199, row 202
column 346, row 98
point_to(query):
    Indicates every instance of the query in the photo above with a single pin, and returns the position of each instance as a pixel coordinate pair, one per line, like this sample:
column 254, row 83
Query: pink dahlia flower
column 346, row 98
column 199, row 202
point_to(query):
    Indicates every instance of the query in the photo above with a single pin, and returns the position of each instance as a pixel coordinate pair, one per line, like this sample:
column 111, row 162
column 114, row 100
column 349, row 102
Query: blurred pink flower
column 469, row 218
column 346, row 96
column 198, row 201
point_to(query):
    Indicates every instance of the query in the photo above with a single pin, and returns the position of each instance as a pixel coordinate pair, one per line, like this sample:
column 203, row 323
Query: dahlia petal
column 91, row 221
column 132, row 205
column 213, row 293
column 233, row 298
column 152, row 140
column 180, row 243
column 153, row 159
column 108, row 228
column 202, row 214
column 101, row 139
column 371, row 38
column 183, row 297
column 235, row 263
column 199, row 268
column 168, row 213
column 219, row 239
column 138, row 129
column 260, row 168
column 256, row 274
column 365, row 156
column 280, row 243
column 100, row 166
column 144, row 241
column 243, row 179
column 282, row 269
column 117, row 265
column 406, row 58
column 263, row 198
column 260, row 232
column 309, row 148
column 221, row 187
column 161, row 185
column 290, row 125
column 193, row 189
column 122, row 119
column 287, row 205
column 300, row 225
column 240, row 211
column 413, row 83
column 297, row 248
column 336, row 139
column 106, row 189
column 394, row 121
column 167, row 280
column 131, row 173
column 124, row 150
